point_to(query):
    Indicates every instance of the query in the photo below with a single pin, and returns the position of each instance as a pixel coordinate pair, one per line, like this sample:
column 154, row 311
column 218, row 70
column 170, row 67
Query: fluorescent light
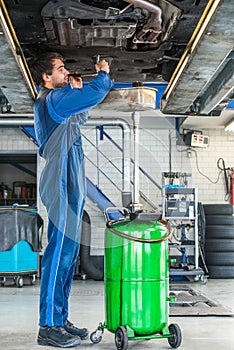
column 230, row 126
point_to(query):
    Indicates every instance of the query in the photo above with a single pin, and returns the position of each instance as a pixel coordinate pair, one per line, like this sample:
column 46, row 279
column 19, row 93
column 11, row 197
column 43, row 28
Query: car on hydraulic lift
column 189, row 43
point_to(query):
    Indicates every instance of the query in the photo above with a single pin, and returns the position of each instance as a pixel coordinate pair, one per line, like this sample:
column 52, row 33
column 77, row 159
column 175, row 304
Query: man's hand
column 102, row 65
column 75, row 82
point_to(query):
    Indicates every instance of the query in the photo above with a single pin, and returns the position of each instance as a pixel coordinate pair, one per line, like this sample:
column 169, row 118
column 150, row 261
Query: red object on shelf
column 232, row 188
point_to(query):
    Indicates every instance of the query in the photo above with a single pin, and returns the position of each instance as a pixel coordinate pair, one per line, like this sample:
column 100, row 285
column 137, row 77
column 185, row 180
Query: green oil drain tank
column 137, row 276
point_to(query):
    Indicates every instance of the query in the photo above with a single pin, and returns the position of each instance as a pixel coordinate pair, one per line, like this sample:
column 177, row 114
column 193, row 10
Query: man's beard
column 60, row 85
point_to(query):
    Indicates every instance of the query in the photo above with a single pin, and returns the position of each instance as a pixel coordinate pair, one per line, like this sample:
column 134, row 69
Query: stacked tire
column 219, row 240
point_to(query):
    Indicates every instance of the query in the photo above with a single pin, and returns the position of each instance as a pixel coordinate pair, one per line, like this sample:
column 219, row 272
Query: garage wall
column 155, row 158
column 160, row 152
column 212, row 189
column 200, row 162
column 12, row 140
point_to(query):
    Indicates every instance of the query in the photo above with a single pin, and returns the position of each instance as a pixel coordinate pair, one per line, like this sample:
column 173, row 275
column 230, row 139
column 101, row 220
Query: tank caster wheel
column 32, row 280
column 204, row 279
column 176, row 336
column 121, row 338
column 19, row 282
column 84, row 277
column 95, row 337
column 3, row 281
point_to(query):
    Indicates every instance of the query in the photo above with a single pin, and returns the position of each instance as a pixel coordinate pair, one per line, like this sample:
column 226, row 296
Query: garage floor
column 19, row 317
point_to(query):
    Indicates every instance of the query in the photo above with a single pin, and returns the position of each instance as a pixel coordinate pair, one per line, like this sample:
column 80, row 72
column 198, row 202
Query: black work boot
column 57, row 336
column 83, row 333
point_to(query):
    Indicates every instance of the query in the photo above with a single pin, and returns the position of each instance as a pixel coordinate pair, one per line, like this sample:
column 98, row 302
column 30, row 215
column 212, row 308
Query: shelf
column 179, row 218
column 20, row 201
column 184, row 272
column 169, row 191
column 180, row 205
column 178, row 246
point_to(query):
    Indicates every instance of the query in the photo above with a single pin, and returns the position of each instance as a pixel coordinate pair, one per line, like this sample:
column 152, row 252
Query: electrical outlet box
column 199, row 140
column 194, row 139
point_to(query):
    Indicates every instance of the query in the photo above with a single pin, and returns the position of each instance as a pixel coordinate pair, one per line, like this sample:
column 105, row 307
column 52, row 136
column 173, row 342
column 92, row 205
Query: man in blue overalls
column 60, row 109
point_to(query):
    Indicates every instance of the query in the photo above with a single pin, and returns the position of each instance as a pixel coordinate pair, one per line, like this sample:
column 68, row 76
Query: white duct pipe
column 12, row 120
column 136, row 174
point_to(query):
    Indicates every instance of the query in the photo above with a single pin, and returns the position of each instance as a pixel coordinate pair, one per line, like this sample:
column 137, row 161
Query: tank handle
column 136, row 239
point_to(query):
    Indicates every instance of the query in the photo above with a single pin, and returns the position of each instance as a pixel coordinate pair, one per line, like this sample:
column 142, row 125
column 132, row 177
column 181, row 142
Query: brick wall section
column 154, row 159
column 13, row 139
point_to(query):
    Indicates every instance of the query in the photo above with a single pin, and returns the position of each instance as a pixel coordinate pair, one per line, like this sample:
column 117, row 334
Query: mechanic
column 61, row 107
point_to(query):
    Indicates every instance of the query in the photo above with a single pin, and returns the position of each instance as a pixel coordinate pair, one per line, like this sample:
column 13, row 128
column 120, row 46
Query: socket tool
column 81, row 75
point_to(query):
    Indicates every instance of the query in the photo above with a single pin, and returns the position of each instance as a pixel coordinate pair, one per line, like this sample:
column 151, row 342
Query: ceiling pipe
column 28, row 119
column 14, row 122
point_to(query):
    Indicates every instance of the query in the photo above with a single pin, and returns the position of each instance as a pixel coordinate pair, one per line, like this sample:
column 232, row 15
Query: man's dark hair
column 43, row 64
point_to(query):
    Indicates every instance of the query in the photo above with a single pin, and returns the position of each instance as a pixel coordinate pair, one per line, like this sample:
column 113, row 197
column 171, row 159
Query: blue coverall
column 58, row 115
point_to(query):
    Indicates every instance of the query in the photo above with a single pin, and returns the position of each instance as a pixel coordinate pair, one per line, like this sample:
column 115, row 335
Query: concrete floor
column 19, row 318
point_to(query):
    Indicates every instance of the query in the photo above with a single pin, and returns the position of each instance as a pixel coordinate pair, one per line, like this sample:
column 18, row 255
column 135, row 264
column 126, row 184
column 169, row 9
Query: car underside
column 188, row 43
column 143, row 40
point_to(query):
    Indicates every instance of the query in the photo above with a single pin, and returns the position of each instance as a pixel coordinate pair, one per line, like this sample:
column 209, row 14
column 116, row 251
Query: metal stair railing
column 98, row 168
column 132, row 161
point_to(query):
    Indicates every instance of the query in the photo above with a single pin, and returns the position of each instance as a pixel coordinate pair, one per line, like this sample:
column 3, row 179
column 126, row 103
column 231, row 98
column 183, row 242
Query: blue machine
column 18, row 262
column 20, row 244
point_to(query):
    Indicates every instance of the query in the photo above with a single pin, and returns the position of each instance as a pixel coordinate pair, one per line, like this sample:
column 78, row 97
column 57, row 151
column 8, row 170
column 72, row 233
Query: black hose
column 92, row 265
column 224, row 169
